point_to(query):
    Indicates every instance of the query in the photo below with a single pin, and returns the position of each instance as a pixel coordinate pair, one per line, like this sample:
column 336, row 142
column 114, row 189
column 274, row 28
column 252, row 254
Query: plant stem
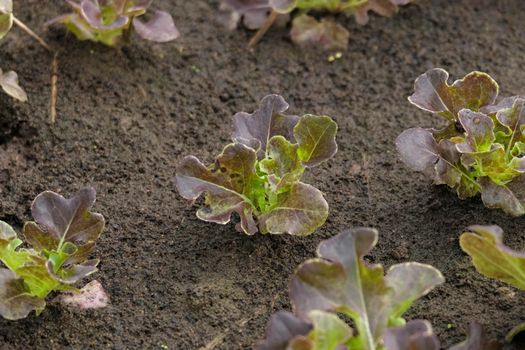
column 31, row 33
column 260, row 33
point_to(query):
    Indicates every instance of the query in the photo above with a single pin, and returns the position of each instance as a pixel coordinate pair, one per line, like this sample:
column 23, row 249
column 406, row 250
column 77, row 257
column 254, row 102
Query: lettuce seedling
column 493, row 259
column 418, row 335
column 112, row 21
column 259, row 173
column 340, row 281
column 482, row 147
column 260, row 14
column 59, row 242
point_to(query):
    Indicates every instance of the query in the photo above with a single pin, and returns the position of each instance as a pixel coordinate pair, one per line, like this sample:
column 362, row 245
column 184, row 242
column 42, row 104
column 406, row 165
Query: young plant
column 339, row 281
column 260, row 14
column 111, row 21
column 480, row 150
column 259, row 173
column 493, row 259
column 59, row 243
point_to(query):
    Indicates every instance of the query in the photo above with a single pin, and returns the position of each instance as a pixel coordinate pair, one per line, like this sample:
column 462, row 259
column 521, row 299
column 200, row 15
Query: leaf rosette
column 339, row 281
column 61, row 239
column 482, row 147
column 258, row 175
column 111, row 22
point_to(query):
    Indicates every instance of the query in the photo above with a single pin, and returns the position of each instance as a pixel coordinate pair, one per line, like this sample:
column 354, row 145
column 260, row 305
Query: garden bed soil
column 127, row 116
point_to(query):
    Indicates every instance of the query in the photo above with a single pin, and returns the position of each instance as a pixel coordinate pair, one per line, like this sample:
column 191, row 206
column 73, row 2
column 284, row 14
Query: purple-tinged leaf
column 505, row 103
column 16, row 301
column 315, row 136
column 418, row 150
column 224, row 185
column 491, row 257
column 9, row 83
column 340, row 281
column 268, row 121
column 327, row 34
column 476, row 340
column 59, row 220
column 329, row 332
column 160, row 28
column 91, row 296
column 282, row 328
column 510, row 197
column 514, row 119
column 433, row 94
column 298, row 212
column 72, row 273
column 253, row 12
column 479, row 131
column 415, row 335
column 92, row 13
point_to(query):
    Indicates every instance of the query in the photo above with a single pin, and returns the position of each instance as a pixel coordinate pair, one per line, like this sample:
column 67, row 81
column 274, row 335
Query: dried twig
column 260, row 33
column 54, row 89
column 33, row 34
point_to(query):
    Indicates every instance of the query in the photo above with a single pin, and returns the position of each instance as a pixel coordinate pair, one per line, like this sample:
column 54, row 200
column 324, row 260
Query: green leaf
column 514, row 332
column 298, row 212
column 340, row 281
column 491, row 257
column 433, row 94
column 329, row 331
column 16, row 302
column 479, row 129
column 6, row 17
column 316, row 138
column 282, row 161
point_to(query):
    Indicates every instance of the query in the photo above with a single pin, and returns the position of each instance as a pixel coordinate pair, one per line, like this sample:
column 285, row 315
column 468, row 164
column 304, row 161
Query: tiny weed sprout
column 306, row 30
column 111, row 21
column 493, row 259
column 259, row 173
column 59, row 244
column 480, row 150
column 340, row 281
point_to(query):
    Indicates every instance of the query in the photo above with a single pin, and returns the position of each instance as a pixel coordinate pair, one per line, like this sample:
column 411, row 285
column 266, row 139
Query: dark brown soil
column 127, row 116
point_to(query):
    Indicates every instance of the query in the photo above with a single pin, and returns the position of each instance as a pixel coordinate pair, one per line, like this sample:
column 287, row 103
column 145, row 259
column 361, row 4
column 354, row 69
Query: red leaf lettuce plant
column 259, row 14
column 339, row 281
column 259, row 173
column 480, row 150
column 59, row 244
column 494, row 259
column 112, row 21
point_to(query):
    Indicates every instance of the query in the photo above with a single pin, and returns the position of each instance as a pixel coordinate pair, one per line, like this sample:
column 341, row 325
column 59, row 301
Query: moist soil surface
column 127, row 116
